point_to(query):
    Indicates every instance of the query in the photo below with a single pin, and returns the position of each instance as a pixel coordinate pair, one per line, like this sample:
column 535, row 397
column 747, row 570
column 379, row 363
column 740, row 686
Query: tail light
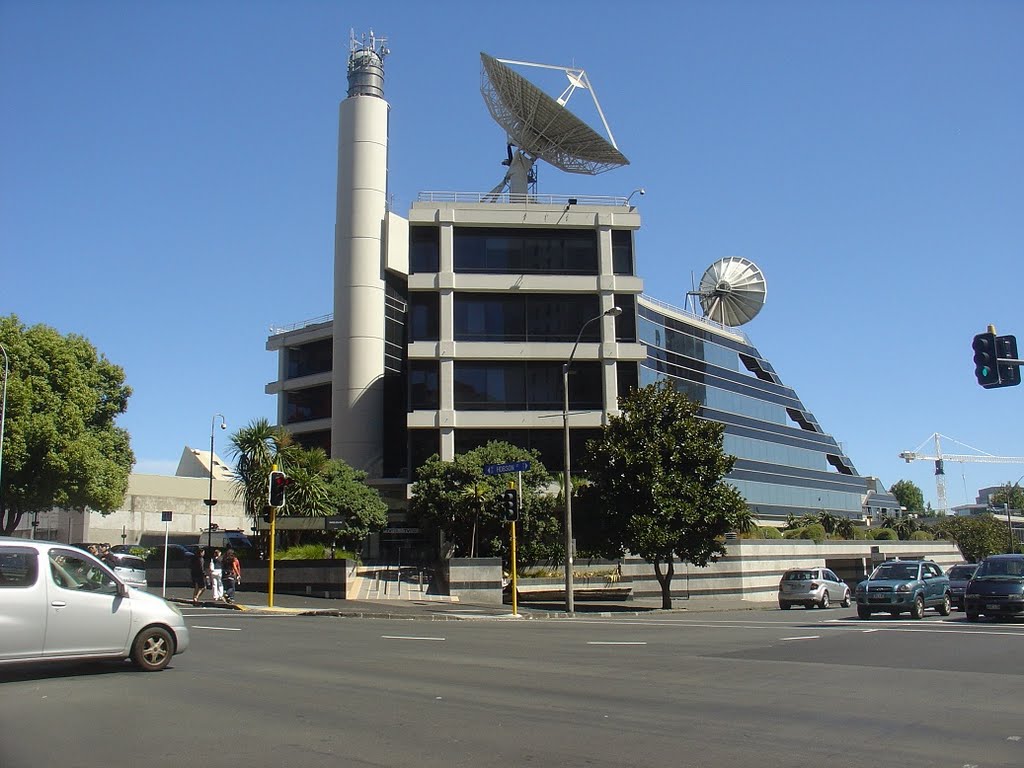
column 815, row 585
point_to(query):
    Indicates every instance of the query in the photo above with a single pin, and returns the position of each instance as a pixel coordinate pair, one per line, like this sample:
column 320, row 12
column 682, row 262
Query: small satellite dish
column 732, row 291
column 542, row 128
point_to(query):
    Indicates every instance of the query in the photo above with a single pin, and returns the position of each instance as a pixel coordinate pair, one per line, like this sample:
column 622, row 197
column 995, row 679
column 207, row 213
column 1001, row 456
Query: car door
column 935, row 585
column 86, row 614
column 22, row 604
column 836, row 588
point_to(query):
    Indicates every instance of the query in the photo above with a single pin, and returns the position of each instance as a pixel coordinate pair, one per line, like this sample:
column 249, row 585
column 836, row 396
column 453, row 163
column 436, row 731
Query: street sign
column 165, row 517
column 501, row 469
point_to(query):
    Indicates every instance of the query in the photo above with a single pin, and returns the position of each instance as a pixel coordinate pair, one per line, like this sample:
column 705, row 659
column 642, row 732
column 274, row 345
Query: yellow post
column 515, row 596
column 270, row 580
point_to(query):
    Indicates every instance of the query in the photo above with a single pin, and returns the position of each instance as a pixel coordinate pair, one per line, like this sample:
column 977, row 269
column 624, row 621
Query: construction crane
column 940, row 458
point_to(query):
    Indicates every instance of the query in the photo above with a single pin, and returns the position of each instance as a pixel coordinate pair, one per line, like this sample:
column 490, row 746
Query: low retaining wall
column 318, row 578
column 474, row 579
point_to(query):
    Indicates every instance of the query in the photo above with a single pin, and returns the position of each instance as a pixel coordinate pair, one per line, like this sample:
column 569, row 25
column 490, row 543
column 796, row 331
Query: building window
column 423, row 443
column 524, row 251
column 622, row 252
column 625, row 324
column 424, row 316
column 424, row 389
column 526, row 386
column 307, row 404
column 321, row 438
column 525, row 317
column 424, row 249
column 311, row 358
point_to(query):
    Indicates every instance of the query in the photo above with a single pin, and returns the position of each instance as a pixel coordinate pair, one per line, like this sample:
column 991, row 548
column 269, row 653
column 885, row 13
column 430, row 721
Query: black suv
column 997, row 588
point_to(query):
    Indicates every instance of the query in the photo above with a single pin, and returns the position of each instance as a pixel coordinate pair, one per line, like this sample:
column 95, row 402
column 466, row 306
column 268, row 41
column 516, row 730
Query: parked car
column 812, row 586
column 129, row 568
column 959, row 575
column 904, row 586
column 61, row 603
column 177, row 556
column 997, row 588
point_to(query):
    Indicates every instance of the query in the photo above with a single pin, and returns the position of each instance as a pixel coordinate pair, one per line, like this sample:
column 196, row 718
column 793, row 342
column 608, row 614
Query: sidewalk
column 257, row 602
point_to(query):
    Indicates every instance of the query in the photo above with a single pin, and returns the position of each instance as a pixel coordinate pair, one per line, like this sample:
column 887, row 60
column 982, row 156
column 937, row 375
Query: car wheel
column 864, row 613
column 846, row 600
column 785, row 606
column 972, row 615
column 152, row 649
column 824, row 603
column 946, row 606
column 917, row 609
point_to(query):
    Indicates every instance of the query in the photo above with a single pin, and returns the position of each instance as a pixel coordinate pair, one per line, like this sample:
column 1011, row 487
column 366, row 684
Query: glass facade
column 521, row 251
column 785, row 463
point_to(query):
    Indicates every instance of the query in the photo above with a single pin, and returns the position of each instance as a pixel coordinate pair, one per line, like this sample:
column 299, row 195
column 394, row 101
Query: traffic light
column 1009, row 373
column 278, row 482
column 986, row 369
column 510, row 506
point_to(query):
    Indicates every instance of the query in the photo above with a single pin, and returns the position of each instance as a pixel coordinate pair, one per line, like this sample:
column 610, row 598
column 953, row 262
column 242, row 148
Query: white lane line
column 803, row 637
column 615, row 642
column 217, row 629
column 410, row 637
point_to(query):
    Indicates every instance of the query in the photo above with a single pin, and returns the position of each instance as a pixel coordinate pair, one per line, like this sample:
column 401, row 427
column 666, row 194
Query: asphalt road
column 749, row 688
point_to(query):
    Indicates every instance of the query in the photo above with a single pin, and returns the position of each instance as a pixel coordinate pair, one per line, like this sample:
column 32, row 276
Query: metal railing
column 520, row 199
column 699, row 319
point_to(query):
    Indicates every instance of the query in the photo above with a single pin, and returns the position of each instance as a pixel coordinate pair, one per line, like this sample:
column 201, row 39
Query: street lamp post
column 569, row 603
column 210, row 502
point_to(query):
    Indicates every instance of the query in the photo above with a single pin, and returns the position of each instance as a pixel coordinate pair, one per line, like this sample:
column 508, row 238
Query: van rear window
column 18, row 568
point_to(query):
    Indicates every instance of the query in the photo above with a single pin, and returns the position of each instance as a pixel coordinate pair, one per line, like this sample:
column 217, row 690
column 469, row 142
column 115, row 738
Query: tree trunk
column 665, row 580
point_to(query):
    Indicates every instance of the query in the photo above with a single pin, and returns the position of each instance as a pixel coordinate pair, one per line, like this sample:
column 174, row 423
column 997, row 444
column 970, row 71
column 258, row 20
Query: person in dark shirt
column 197, row 568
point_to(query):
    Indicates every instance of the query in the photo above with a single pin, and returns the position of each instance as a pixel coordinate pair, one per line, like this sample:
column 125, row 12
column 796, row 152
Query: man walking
column 197, row 569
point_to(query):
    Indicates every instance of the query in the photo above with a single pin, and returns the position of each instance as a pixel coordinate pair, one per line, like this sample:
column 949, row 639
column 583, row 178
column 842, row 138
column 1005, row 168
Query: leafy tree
column 657, row 487
column 61, row 447
column 461, row 503
column 884, row 534
column 1011, row 494
column 978, row 536
column 905, row 526
column 828, row 521
column 908, row 495
column 320, row 486
column 845, row 528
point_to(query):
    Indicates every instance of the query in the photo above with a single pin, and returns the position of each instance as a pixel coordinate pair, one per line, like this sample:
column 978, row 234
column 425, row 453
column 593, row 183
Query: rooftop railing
column 520, row 199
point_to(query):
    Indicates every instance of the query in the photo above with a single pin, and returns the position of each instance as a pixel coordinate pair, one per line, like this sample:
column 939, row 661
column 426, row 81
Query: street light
column 569, row 604
column 210, row 502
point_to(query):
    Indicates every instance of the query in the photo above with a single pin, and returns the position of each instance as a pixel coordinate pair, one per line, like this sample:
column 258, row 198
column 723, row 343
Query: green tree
column 845, row 528
column 978, row 536
column 906, row 526
column 458, row 501
column 656, row 484
column 361, row 506
column 255, row 450
column 908, row 495
column 1010, row 493
column 61, row 446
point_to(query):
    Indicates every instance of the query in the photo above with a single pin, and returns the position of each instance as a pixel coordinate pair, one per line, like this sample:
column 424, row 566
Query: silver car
column 812, row 586
column 62, row 603
column 129, row 568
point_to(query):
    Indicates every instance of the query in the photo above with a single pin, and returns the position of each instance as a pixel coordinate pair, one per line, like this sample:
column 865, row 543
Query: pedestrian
column 215, row 572
column 232, row 574
column 197, row 569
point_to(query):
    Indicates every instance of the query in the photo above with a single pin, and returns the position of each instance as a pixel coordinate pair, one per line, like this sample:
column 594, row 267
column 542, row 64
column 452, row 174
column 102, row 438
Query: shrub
column 814, row 531
column 314, row 552
column 922, row 536
column 768, row 532
column 793, row 533
column 885, row 534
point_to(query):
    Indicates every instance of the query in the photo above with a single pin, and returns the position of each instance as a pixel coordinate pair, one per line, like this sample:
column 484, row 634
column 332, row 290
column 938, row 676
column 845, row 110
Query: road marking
column 410, row 637
column 1013, row 738
column 217, row 629
column 803, row 637
column 615, row 642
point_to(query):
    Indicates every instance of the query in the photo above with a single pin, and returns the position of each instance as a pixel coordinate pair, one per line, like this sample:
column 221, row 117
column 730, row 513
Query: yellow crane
column 940, row 458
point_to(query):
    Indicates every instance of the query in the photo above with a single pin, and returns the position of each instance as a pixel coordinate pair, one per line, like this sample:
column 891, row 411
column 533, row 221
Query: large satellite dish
column 541, row 127
column 732, row 291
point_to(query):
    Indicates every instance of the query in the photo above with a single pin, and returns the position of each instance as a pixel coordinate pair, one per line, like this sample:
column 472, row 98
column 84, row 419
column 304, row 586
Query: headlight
column 903, row 588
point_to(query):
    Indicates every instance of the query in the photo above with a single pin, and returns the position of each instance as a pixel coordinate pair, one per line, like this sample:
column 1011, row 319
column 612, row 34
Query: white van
column 60, row 603
column 225, row 539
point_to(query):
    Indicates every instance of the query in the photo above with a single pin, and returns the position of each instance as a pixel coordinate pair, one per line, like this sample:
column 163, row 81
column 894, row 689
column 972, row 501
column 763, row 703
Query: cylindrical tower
column 357, row 396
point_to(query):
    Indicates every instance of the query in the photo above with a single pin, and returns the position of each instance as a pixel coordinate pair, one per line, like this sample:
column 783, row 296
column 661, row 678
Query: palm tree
column 828, row 521
column 256, row 449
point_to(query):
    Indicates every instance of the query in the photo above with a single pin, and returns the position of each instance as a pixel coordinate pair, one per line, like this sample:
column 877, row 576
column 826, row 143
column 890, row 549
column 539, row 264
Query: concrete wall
column 318, row 578
column 751, row 569
column 475, row 579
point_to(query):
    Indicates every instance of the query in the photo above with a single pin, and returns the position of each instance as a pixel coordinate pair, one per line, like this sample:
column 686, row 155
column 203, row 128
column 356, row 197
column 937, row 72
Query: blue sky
column 167, row 185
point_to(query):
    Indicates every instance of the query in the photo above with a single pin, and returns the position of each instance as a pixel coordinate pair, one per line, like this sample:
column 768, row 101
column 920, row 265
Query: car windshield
column 1011, row 568
column 129, row 561
column 799, row 576
column 962, row 572
column 895, row 571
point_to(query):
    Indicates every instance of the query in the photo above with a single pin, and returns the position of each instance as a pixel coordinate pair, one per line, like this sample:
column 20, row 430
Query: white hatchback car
column 61, row 603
